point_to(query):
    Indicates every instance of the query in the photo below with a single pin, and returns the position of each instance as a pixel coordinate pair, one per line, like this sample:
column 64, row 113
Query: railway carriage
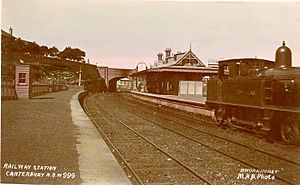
column 95, row 85
column 258, row 95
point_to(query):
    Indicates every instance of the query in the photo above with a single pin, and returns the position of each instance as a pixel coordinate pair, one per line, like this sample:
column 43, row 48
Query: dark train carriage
column 95, row 85
column 259, row 95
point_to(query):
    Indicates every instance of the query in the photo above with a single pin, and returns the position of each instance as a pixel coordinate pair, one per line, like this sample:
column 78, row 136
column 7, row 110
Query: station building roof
column 181, row 62
column 179, row 59
column 179, row 69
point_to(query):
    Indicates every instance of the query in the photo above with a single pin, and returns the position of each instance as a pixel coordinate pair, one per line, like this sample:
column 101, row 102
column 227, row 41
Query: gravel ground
column 288, row 152
column 249, row 154
column 220, row 169
column 151, row 165
column 39, row 132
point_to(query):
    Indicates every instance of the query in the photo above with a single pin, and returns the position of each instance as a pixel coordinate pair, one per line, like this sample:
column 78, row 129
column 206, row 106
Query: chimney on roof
column 11, row 31
column 168, row 52
column 159, row 55
column 175, row 55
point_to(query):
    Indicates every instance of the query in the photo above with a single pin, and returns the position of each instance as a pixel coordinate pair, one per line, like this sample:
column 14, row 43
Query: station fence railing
column 8, row 91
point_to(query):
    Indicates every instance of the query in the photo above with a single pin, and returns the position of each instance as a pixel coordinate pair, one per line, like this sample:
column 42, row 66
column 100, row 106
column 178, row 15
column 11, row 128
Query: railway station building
column 174, row 74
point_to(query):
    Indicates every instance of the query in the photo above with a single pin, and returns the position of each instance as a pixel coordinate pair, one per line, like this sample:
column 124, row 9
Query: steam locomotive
column 258, row 95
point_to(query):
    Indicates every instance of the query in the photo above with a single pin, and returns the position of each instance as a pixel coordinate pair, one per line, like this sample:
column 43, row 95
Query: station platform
column 189, row 103
column 196, row 99
column 50, row 140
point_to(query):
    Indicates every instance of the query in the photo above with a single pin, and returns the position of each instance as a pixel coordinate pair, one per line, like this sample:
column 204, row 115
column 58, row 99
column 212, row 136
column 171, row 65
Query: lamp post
column 79, row 77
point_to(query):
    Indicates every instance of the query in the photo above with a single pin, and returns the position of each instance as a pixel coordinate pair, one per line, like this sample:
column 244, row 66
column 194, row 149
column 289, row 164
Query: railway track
column 272, row 160
column 190, row 123
column 165, row 162
column 189, row 138
column 209, row 122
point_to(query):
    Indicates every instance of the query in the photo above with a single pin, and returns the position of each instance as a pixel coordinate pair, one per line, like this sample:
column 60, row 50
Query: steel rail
column 201, row 107
column 219, row 137
column 207, row 146
column 158, row 148
column 110, row 143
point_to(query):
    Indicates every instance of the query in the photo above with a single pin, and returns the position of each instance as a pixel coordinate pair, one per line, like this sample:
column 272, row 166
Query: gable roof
column 189, row 55
column 180, row 59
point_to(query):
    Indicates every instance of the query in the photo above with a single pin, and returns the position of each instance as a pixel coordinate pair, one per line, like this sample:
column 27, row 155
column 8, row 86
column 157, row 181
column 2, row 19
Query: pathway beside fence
column 39, row 132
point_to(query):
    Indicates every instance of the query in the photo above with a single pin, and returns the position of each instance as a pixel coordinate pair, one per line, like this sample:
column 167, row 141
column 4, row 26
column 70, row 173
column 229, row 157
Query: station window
column 238, row 69
column 243, row 69
column 22, row 78
column 167, row 85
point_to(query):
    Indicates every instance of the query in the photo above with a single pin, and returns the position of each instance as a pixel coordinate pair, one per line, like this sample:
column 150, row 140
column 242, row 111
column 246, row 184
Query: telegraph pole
column 79, row 78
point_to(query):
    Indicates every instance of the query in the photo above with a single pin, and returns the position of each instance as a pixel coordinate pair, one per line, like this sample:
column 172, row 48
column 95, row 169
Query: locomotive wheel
column 220, row 115
column 289, row 130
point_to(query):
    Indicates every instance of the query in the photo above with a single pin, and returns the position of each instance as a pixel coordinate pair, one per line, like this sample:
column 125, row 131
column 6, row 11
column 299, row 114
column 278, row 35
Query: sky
column 121, row 34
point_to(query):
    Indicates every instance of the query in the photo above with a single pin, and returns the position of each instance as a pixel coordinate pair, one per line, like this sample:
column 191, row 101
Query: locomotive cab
column 242, row 68
column 235, row 84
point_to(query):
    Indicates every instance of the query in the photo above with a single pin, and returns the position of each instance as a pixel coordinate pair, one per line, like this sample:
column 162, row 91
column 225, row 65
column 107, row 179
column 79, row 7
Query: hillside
column 46, row 67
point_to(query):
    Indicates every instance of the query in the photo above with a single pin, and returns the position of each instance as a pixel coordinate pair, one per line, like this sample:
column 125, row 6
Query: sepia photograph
column 150, row 92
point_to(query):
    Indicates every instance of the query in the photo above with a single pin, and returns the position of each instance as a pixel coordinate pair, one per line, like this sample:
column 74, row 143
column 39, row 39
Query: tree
column 66, row 53
column 73, row 54
column 78, row 54
column 33, row 48
column 44, row 51
column 53, row 51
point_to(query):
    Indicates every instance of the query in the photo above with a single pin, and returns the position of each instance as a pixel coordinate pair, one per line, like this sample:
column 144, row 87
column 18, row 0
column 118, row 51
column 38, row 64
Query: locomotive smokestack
column 283, row 58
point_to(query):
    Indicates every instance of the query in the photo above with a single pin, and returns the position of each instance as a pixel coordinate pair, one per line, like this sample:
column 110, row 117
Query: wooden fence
column 38, row 89
column 8, row 91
